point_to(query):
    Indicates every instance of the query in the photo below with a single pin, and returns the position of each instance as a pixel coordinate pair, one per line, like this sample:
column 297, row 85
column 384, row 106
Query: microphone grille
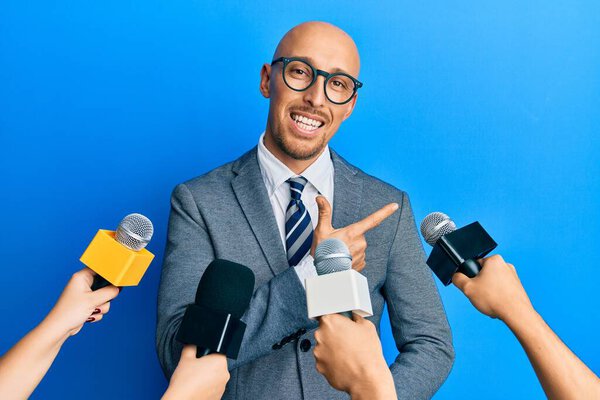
column 436, row 225
column 332, row 255
column 135, row 231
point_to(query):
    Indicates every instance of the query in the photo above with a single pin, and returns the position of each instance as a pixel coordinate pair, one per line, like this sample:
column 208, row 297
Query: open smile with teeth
column 305, row 123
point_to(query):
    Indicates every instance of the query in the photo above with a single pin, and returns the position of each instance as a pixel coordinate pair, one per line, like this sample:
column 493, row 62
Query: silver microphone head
column 436, row 225
column 134, row 232
column 332, row 255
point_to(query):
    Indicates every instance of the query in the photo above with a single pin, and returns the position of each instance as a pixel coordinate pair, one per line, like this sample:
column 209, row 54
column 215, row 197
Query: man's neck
column 296, row 166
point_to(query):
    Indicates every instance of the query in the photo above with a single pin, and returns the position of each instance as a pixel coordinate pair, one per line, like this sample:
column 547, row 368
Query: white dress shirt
column 320, row 180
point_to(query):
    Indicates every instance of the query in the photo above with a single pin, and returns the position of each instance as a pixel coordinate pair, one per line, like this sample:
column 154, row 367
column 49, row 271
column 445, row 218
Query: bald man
column 271, row 207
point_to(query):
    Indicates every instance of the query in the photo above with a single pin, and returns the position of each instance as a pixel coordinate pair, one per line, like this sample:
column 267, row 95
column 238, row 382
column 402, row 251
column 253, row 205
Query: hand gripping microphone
column 455, row 249
column 119, row 258
column 338, row 288
column 213, row 323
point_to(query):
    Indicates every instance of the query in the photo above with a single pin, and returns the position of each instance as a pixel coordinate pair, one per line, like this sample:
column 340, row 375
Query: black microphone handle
column 99, row 282
column 470, row 268
column 211, row 330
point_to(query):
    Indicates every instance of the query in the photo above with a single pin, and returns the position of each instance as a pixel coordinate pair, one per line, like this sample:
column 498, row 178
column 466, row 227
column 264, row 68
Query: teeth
column 306, row 123
column 307, row 127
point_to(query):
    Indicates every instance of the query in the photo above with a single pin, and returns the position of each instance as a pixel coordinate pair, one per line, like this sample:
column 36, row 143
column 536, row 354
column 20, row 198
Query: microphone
column 120, row 258
column 455, row 249
column 337, row 288
column 213, row 322
column 332, row 255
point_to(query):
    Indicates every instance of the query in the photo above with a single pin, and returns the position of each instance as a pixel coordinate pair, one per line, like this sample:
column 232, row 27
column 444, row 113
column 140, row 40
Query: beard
column 298, row 149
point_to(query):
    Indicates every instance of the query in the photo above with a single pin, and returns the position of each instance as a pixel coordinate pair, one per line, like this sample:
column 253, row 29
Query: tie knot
column 297, row 186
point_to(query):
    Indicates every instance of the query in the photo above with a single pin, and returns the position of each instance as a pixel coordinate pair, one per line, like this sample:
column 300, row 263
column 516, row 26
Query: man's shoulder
column 371, row 185
column 221, row 175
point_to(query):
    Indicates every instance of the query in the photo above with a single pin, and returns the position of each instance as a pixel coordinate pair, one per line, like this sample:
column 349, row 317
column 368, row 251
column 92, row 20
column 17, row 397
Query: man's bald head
column 301, row 122
column 324, row 39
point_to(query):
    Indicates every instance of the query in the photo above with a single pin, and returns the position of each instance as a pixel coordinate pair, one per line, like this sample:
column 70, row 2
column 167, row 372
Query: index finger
column 373, row 220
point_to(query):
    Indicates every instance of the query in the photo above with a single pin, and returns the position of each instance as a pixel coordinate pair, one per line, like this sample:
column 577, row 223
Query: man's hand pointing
column 353, row 235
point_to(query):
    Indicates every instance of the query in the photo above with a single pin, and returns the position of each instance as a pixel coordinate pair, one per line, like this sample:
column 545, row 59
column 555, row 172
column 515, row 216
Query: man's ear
column 265, row 80
column 350, row 105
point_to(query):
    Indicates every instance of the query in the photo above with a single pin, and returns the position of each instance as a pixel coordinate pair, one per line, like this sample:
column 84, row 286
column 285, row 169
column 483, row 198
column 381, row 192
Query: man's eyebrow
column 311, row 61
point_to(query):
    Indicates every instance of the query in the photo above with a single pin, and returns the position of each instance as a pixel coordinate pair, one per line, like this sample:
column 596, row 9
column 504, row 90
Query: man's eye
column 338, row 84
column 299, row 72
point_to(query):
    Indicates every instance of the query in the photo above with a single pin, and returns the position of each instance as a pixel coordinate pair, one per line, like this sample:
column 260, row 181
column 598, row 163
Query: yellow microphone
column 119, row 257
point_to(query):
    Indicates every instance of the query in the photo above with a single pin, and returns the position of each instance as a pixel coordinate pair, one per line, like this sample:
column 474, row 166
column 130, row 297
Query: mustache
column 312, row 111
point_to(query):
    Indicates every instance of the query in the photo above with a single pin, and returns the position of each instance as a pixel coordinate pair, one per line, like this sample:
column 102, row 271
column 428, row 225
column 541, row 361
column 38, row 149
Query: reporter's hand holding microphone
column 494, row 288
column 496, row 291
column 212, row 331
column 78, row 304
column 194, row 378
column 114, row 254
column 349, row 355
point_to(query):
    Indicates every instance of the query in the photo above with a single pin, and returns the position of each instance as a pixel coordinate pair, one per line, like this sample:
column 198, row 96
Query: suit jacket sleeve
column 418, row 319
column 277, row 309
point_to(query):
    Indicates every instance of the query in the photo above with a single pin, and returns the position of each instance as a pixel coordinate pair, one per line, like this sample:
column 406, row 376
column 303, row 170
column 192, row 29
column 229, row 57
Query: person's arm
column 24, row 365
column 419, row 324
column 348, row 354
column 497, row 292
column 201, row 378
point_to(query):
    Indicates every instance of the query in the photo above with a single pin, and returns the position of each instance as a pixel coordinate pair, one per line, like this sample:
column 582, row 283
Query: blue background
column 487, row 110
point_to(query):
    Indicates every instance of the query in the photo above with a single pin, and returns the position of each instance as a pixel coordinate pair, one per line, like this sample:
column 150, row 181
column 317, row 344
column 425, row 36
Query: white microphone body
column 338, row 292
column 337, row 288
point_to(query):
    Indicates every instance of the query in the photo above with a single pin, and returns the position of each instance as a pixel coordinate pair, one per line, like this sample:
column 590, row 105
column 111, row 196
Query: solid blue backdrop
column 486, row 110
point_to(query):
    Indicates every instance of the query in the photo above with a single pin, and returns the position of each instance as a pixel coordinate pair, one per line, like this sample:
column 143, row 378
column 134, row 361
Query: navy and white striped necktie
column 298, row 226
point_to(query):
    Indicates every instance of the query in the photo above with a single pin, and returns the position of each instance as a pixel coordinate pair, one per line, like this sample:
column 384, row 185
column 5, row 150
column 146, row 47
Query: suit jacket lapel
column 251, row 193
column 347, row 192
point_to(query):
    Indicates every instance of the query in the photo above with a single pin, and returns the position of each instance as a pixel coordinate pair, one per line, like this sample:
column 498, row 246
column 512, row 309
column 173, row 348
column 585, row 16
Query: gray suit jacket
column 226, row 214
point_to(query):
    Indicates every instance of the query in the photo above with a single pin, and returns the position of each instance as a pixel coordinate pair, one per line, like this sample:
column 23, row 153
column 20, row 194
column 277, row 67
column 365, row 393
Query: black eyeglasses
column 299, row 75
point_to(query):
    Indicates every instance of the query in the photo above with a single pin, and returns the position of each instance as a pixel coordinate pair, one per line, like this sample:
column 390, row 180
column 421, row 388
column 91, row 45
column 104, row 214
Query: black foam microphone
column 213, row 322
column 455, row 249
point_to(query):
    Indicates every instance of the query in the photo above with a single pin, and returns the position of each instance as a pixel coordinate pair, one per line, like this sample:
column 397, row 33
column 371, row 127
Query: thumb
column 189, row 351
column 324, row 213
column 460, row 280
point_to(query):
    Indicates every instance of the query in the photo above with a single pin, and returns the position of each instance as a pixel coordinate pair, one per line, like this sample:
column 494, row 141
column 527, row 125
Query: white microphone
column 338, row 288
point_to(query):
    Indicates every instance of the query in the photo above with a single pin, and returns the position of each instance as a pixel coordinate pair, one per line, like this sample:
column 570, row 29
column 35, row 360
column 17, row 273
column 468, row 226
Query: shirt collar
column 275, row 173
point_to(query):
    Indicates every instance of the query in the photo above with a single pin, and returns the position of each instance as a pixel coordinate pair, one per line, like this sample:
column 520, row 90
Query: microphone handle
column 470, row 268
column 99, row 282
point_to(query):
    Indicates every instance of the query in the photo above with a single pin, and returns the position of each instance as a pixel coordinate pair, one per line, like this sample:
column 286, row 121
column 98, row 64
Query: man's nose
column 315, row 95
